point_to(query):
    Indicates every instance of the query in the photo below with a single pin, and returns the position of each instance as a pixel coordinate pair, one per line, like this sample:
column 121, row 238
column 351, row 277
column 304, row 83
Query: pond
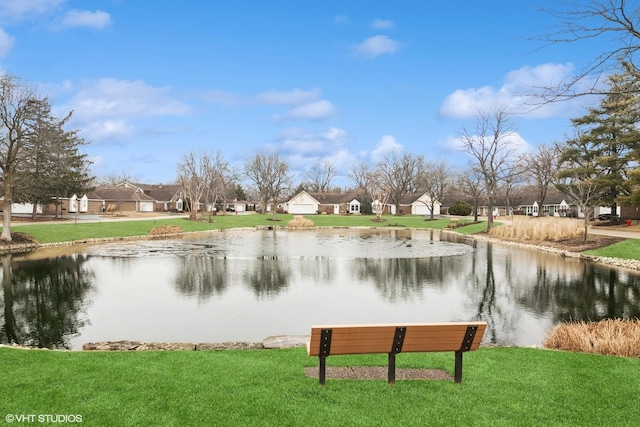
column 246, row 285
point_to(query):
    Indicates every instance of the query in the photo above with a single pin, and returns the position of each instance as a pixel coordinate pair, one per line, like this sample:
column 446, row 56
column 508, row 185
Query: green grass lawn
column 627, row 249
column 68, row 231
column 500, row 387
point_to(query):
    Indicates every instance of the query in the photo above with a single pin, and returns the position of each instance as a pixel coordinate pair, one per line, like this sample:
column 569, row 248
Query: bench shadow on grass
column 379, row 373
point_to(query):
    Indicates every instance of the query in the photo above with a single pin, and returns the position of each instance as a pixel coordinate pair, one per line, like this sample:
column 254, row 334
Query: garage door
column 146, row 206
column 421, row 209
column 302, row 209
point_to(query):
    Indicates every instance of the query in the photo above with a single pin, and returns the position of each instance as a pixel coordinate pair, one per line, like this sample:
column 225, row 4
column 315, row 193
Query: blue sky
column 346, row 81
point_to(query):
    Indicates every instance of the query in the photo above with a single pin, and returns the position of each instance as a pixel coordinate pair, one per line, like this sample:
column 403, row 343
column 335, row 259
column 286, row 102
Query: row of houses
column 306, row 203
column 125, row 197
column 133, row 197
column 555, row 204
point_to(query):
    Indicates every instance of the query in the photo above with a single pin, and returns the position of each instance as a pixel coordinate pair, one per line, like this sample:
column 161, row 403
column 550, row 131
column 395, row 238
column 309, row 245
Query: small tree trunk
column 6, row 220
column 586, row 226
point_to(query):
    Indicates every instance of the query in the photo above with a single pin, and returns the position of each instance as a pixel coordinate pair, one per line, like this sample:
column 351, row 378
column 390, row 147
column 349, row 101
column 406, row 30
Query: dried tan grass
column 299, row 221
column 544, row 228
column 614, row 337
column 165, row 229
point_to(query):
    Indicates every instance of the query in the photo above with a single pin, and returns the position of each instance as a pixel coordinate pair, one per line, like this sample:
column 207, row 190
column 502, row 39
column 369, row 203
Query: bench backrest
column 387, row 338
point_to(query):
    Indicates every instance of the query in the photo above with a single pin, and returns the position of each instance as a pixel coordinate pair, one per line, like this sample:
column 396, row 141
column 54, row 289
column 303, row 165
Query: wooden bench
column 393, row 339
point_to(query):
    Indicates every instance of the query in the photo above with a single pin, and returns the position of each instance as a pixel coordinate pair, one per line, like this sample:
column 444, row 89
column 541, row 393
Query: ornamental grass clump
column 165, row 229
column 613, row 337
column 299, row 221
column 540, row 229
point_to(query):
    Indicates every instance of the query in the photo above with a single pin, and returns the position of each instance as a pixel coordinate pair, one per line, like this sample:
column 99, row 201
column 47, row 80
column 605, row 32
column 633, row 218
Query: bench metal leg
column 458, row 367
column 322, row 373
column 391, row 376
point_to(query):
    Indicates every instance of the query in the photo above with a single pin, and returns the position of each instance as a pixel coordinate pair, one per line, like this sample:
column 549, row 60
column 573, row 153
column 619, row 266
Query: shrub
column 614, row 337
column 460, row 208
column 165, row 229
column 299, row 221
column 542, row 228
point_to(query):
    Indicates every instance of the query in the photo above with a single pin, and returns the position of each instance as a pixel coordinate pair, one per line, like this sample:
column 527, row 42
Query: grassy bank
column 71, row 231
column 501, row 386
column 627, row 249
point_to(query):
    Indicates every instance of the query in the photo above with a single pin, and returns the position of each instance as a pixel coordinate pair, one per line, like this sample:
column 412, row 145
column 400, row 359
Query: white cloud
column 6, row 42
column 292, row 97
column 304, row 148
column 387, row 144
column 307, row 104
column 317, row 110
column 123, row 98
column 85, row 18
column 111, row 107
column 468, row 103
column 382, row 24
column 376, row 46
column 519, row 94
column 18, row 9
column 108, row 130
column 335, row 134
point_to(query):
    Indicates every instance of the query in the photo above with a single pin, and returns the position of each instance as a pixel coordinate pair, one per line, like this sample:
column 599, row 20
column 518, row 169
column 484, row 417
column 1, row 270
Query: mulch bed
column 573, row 244
column 379, row 373
column 578, row 244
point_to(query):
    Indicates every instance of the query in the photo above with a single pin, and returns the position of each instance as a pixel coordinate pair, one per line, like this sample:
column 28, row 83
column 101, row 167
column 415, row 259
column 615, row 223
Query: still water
column 247, row 285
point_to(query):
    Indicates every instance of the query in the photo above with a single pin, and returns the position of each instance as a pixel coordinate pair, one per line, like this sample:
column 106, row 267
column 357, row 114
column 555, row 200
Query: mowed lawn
column 500, row 387
column 68, row 231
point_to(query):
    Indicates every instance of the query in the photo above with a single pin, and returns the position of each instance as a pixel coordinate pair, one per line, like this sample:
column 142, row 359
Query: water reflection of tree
column 598, row 293
column 268, row 276
column 403, row 278
column 202, row 276
column 493, row 304
column 44, row 300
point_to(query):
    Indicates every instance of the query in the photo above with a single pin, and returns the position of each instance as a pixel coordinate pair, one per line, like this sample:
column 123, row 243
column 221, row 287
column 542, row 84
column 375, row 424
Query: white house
column 419, row 204
column 302, row 203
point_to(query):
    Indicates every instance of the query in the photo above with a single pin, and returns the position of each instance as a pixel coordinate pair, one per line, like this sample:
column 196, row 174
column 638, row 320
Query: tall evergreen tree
column 579, row 176
column 54, row 167
column 608, row 135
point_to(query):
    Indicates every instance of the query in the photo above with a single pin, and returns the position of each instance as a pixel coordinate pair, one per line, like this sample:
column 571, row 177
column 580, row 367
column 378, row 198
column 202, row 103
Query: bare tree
column 492, row 147
column 115, row 179
column 434, row 181
column 195, row 179
column 615, row 20
column 223, row 180
column 580, row 184
column 472, row 186
column 360, row 175
column 380, row 194
column 19, row 107
column 542, row 166
column 398, row 174
column 514, row 174
column 320, row 176
column 270, row 175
